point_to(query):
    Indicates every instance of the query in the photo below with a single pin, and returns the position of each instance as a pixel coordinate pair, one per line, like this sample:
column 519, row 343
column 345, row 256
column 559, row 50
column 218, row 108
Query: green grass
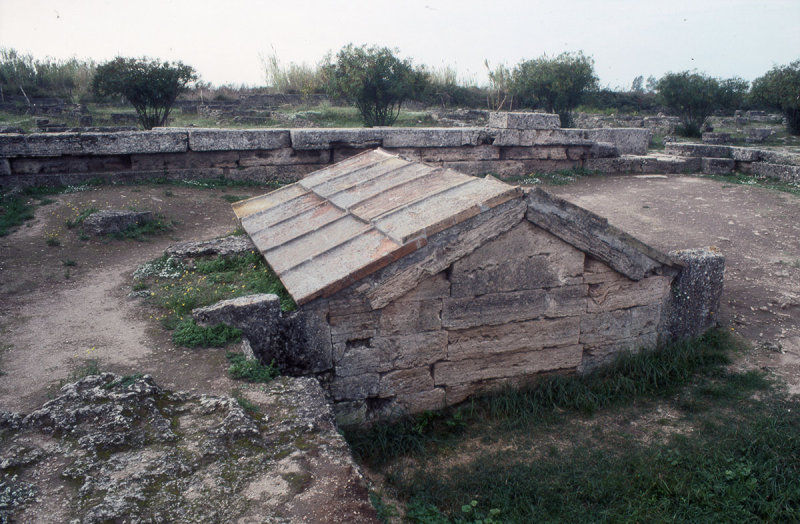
column 14, row 211
column 574, row 449
column 80, row 217
column 190, row 335
column 143, row 231
column 177, row 289
column 561, row 177
column 232, row 198
column 750, row 180
column 250, row 370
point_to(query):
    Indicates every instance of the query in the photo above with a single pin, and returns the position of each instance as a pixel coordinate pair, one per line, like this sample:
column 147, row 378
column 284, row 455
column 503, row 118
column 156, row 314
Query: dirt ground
column 54, row 316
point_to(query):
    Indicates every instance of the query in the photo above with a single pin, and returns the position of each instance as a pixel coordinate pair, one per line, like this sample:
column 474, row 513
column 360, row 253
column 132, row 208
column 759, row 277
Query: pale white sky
column 224, row 38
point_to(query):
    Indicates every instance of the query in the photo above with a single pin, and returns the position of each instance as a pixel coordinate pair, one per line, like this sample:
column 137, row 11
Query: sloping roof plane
column 343, row 222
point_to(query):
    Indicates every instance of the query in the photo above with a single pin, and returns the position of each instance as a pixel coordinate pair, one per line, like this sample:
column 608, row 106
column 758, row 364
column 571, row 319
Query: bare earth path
column 54, row 318
column 758, row 231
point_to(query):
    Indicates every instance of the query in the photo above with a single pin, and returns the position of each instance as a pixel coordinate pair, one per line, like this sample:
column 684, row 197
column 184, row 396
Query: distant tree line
column 378, row 82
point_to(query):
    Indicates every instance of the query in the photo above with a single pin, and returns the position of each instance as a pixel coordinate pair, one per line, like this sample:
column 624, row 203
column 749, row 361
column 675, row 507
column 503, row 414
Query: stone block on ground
column 237, row 139
column 109, row 222
column 693, row 305
column 224, row 246
column 524, row 120
column 784, row 172
column 698, row 150
column 432, row 137
column 628, row 141
column 759, row 134
column 5, row 167
column 716, row 138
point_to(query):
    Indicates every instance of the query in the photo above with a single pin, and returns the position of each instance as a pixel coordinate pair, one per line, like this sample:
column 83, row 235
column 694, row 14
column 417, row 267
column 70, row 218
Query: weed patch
column 242, row 368
column 142, row 231
column 561, row 177
column 80, row 217
column 190, row 335
column 14, row 211
column 232, row 198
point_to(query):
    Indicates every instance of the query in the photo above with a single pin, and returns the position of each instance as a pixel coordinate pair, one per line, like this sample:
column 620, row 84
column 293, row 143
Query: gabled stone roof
column 344, row 222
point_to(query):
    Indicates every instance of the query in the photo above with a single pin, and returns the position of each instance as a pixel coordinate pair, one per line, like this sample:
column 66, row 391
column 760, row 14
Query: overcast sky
column 223, row 39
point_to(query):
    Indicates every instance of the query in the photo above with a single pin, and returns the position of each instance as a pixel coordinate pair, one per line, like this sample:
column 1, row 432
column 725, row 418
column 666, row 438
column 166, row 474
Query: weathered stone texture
column 627, row 141
column 693, row 305
column 484, row 341
column 237, row 139
column 524, row 258
column 125, row 142
column 109, row 221
column 718, row 166
column 5, row 167
column 698, row 150
column 506, row 120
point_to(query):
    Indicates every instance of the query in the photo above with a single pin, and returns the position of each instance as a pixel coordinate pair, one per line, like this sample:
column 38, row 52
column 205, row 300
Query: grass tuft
column 242, row 368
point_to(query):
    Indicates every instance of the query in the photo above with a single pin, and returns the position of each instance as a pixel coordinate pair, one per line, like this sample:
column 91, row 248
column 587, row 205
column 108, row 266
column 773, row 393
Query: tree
column 693, row 96
column 732, row 93
column 149, row 85
column 554, row 84
column 374, row 80
column 638, row 84
column 780, row 89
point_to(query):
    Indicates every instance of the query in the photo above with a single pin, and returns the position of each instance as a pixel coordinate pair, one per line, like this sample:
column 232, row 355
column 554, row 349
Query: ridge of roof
column 348, row 220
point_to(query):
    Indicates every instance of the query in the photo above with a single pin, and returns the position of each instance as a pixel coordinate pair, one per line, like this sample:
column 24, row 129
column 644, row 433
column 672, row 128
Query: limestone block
column 601, row 354
column 506, row 120
column 351, row 327
column 622, row 293
column 778, row 157
column 482, row 342
column 526, row 257
column 109, row 221
column 442, row 250
column 718, row 166
column 5, row 167
column 124, row 142
column 283, row 156
column 693, row 305
column 405, row 382
column 70, row 164
column 746, row 154
column 784, row 172
column 327, row 138
column 595, row 272
column 627, row 141
column 716, row 138
column 411, row 317
column 237, row 139
column 384, row 353
column 500, row 308
column 430, row 137
column 483, row 167
column 412, row 350
column 505, row 365
column 447, row 154
column 697, row 150
column 223, row 246
column 759, row 134
column 350, row 412
column 273, row 173
column 619, row 324
column 306, row 342
column 356, row 387
column 418, row 401
column 594, row 235
column 432, row 288
column 603, row 150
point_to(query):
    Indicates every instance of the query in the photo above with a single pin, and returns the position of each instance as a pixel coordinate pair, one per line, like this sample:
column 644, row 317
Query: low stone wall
column 514, row 145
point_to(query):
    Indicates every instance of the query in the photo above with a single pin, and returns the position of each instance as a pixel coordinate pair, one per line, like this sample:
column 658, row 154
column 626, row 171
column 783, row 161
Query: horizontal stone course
column 121, row 143
column 238, row 139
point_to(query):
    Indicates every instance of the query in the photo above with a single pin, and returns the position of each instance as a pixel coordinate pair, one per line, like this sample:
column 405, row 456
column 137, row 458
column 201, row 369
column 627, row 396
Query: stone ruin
column 419, row 286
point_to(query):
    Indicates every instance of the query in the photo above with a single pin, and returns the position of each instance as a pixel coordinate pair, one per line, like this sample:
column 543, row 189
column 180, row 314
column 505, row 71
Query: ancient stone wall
column 285, row 155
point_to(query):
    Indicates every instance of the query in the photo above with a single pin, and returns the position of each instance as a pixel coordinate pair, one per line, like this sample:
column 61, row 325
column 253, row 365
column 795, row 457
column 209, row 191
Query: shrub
column 374, row 80
column 250, row 370
column 149, row 85
column 556, row 85
column 693, row 96
column 780, row 89
column 23, row 74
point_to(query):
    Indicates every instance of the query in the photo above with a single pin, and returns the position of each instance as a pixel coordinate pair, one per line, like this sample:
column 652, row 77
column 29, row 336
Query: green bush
column 695, row 96
column 556, row 85
column 149, row 85
column 374, row 80
column 780, row 89
column 21, row 74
